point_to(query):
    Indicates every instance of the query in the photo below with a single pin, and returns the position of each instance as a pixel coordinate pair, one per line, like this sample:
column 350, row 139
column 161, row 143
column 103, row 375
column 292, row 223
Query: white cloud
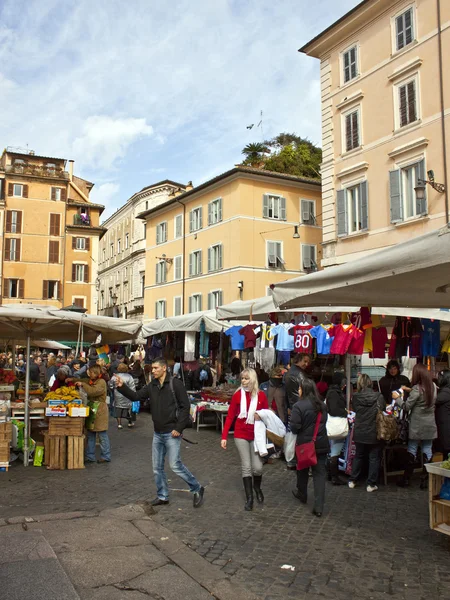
column 106, row 194
column 104, row 139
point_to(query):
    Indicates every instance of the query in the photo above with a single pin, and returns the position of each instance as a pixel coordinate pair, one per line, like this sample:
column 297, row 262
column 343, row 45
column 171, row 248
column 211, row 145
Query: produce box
column 4, row 451
column 437, row 469
column 76, row 401
column 55, row 411
column 6, row 431
column 65, row 426
column 78, row 411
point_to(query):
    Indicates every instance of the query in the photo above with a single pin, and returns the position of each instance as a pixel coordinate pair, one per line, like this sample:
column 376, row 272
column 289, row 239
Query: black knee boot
column 334, row 468
column 409, row 470
column 328, row 468
column 248, row 493
column 257, row 479
column 424, row 476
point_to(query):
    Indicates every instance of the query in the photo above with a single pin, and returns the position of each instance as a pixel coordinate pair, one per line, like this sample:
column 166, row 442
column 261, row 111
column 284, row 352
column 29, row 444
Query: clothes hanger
column 327, row 319
column 348, row 320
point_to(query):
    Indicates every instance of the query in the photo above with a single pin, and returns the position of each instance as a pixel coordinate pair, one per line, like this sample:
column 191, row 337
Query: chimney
column 189, row 186
column 71, row 169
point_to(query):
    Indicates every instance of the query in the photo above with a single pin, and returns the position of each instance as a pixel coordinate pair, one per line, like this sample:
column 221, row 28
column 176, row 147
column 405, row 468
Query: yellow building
column 50, row 232
column 229, row 239
column 385, row 111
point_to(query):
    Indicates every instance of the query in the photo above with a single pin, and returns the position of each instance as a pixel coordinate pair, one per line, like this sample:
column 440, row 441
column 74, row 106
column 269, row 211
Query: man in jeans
column 169, row 405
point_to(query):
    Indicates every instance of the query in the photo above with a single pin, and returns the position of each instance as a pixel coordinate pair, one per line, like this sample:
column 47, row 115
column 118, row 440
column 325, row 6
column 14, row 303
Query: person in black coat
column 393, row 381
column 442, row 413
column 366, row 403
column 336, row 402
column 303, row 422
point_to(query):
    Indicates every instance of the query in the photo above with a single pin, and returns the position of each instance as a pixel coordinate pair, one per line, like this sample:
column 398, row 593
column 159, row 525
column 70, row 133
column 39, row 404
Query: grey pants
column 251, row 462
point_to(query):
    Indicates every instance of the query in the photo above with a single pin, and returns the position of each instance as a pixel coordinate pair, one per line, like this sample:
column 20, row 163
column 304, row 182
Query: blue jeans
column 105, row 446
column 336, row 447
column 427, row 447
column 164, row 443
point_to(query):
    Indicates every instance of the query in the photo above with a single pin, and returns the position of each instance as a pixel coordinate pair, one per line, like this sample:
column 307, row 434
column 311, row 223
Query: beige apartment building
column 49, row 232
column 229, row 239
column 385, row 91
column 121, row 275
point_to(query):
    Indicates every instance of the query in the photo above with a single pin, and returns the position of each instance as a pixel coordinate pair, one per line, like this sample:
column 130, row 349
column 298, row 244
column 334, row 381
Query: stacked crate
column 5, row 442
column 64, row 443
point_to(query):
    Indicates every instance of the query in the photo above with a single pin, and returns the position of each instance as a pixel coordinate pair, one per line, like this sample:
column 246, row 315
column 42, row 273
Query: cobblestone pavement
column 368, row 546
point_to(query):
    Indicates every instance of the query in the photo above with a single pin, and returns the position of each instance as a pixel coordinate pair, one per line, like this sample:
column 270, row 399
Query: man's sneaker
column 351, row 484
column 158, row 502
column 198, row 497
column 372, row 488
column 119, row 426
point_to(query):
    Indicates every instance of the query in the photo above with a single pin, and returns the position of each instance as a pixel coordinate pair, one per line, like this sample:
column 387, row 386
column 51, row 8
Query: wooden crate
column 75, row 452
column 4, row 451
column 55, row 451
column 73, row 426
column 439, row 509
column 6, row 431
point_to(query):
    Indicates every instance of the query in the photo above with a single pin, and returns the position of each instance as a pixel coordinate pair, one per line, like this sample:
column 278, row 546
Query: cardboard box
column 64, row 402
column 78, row 411
column 55, row 412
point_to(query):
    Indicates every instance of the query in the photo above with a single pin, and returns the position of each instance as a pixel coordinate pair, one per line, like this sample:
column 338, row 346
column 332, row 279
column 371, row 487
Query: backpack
column 189, row 420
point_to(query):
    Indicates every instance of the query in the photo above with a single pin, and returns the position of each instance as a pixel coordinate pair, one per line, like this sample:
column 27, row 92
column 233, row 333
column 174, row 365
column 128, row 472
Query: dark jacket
column 389, row 384
column 167, row 413
column 292, row 381
column 336, row 402
column 35, row 372
column 443, row 418
column 303, row 422
column 366, row 405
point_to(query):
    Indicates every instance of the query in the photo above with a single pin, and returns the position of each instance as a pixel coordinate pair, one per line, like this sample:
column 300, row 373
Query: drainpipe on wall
column 63, row 282
column 441, row 82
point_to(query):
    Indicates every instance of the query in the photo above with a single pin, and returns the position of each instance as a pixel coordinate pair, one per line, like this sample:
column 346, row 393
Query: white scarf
column 250, row 418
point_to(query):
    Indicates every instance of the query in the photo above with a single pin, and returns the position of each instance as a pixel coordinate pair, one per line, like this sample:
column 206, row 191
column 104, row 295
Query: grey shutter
column 306, row 214
column 200, row 262
column 164, row 308
column 363, row 205
column 191, row 221
column 400, row 32
column 411, row 94
column 346, row 67
column 395, row 192
column 220, row 209
column 353, row 69
column 164, row 268
column 210, row 219
column 190, row 304
column 306, row 257
column 266, row 206
column 156, row 310
column 199, row 303
column 210, row 301
column 421, row 205
column 191, row 258
column 403, row 106
column 200, row 218
column 220, row 265
column 408, row 27
column 283, row 208
column 271, row 257
column 210, row 251
column 342, row 222
column 220, row 298
column 158, row 234
column 157, row 273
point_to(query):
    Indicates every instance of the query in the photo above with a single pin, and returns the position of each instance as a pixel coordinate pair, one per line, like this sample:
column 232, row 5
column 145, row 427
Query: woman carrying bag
column 309, row 423
column 336, row 402
column 244, row 404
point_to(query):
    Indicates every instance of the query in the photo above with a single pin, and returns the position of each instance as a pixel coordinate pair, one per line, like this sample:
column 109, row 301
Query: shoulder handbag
column 337, row 427
column 306, row 453
column 189, row 421
column 387, row 428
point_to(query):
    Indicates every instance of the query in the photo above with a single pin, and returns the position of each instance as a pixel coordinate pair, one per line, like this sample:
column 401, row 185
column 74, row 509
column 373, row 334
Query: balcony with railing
column 37, row 170
column 81, row 219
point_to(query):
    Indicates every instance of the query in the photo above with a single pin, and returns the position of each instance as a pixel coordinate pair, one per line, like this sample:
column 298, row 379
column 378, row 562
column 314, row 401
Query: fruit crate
column 66, row 426
column 438, row 507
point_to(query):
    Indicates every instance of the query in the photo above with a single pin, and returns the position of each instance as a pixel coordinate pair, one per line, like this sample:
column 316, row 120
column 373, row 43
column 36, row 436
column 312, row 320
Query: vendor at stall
column 393, row 381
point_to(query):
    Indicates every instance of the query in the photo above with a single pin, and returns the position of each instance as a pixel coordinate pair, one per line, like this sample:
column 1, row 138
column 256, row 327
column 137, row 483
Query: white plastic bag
column 51, row 381
column 289, row 446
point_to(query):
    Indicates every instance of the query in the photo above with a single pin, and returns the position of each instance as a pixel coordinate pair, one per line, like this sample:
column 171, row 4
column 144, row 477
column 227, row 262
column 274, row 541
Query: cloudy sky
column 144, row 90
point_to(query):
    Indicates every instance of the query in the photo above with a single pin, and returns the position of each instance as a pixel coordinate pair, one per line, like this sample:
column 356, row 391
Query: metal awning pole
column 348, row 375
column 26, row 437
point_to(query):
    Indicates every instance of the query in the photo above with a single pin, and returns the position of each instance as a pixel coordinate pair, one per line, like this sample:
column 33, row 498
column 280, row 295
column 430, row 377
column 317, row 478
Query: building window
column 55, row 224
column 177, row 267
column 146, row 205
column 50, row 290
column 119, row 246
column 160, row 309
column 142, row 285
column 178, row 226
column 53, row 252
column 58, row 194
column 102, row 300
column 352, row 135
column 125, row 274
column 81, row 243
column 195, row 303
column 161, row 233
column 195, row 263
column 80, row 273
column 274, row 207
column 215, row 211
column 275, row 255
column 350, row 64
column 404, row 204
column 50, row 167
column 404, row 29
column 215, row 258
column 13, row 288
column 195, row 219
column 104, row 254
column 177, row 306
column 352, row 209
column 18, row 190
column 111, row 253
column 12, row 249
column 407, row 102
column 161, row 271
column 13, row 221
column 309, row 258
column 127, row 241
column 215, row 299
column 308, row 209
column 78, row 302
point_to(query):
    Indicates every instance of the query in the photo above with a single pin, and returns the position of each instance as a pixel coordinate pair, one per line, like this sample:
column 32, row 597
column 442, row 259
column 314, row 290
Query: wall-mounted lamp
column 240, row 285
column 296, row 235
column 165, row 259
column 421, row 185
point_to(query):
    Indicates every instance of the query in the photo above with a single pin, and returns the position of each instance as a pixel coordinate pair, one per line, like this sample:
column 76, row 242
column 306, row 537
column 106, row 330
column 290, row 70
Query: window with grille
column 215, row 258
column 274, row 207
column 407, row 98
column 350, row 64
column 275, row 255
column 404, row 29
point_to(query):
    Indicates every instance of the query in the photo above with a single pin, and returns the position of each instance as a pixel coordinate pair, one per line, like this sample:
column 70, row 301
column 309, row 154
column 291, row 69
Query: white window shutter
column 395, row 191
column 282, row 209
column 364, row 205
column 266, row 206
column 342, row 223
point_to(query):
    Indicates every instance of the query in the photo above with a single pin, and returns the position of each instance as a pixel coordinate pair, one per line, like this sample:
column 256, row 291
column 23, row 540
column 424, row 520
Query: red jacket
column 241, row 429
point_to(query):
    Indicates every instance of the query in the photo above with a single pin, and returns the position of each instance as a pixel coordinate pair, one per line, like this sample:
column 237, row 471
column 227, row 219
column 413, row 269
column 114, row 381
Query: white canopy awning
column 413, row 274
column 50, row 345
column 189, row 322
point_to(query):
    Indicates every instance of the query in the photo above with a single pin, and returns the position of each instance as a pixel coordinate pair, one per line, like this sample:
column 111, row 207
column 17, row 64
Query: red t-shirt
column 249, row 336
column 343, row 336
column 379, row 341
column 303, row 341
column 242, row 430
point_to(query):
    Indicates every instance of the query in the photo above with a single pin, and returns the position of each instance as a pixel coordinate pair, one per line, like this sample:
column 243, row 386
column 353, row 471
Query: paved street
column 368, row 546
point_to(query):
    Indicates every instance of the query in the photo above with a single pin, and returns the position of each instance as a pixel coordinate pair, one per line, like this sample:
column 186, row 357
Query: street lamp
column 296, row 235
column 421, row 185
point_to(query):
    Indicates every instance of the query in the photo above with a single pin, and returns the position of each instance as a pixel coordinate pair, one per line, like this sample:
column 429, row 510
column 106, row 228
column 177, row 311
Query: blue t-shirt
column 324, row 341
column 237, row 340
column 285, row 342
column 431, row 337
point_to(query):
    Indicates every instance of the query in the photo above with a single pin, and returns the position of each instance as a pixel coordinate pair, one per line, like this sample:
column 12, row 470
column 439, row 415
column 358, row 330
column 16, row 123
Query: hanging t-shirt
column 343, row 336
column 406, row 335
column 431, row 337
column 379, row 341
column 189, row 346
column 237, row 340
column 266, row 336
column 446, row 345
column 323, row 338
column 249, row 334
column 285, row 341
column 303, row 342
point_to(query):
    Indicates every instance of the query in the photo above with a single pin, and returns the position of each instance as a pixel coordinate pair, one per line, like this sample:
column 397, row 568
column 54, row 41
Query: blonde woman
column 243, row 406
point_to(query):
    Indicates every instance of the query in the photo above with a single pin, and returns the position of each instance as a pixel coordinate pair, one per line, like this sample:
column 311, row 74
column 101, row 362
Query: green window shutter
column 283, row 209
column 364, row 205
column 266, row 206
column 342, row 221
column 395, row 193
column 421, row 205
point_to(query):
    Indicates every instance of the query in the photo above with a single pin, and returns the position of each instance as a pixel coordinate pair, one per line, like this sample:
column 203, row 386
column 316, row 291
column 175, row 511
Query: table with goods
column 439, row 495
column 209, row 400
